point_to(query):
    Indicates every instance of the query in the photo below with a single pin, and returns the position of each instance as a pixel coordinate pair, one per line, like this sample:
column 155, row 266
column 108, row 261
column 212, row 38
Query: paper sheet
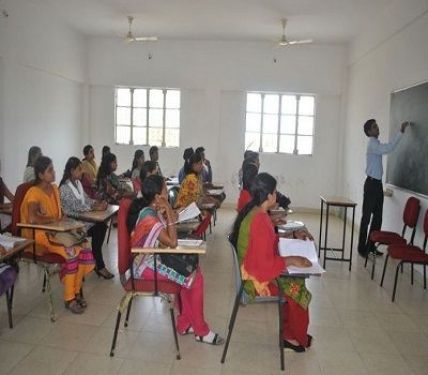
column 190, row 212
column 189, row 242
column 215, row 191
column 8, row 242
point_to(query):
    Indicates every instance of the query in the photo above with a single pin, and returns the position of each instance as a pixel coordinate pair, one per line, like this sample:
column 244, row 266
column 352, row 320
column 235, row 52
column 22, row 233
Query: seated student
column 153, row 227
column 249, row 172
column 33, row 154
column 154, row 156
column 89, row 166
column 257, row 246
column 7, row 274
column 137, row 164
column 207, row 173
column 5, row 220
column 191, row 189
column 188, row 152
column 105, row 151
column 109, row 187
column 41, row 205
column 74, row 201
column 253, row 157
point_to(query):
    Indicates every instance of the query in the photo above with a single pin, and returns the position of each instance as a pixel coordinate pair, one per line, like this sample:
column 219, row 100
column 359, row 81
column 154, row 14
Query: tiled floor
column 357, row 329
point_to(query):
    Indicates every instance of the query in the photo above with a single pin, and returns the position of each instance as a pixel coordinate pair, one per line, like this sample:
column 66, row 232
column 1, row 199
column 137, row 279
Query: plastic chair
column 7, row 285
column 172, row 195
column 49, row 262
column 382, row 237
column 201, row 230
column 408, row 254
column 136, row 185
column 138, row 287
column 240, row 292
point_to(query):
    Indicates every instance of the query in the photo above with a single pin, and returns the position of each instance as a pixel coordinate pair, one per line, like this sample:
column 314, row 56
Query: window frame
column 279, row 114
column 147, row 108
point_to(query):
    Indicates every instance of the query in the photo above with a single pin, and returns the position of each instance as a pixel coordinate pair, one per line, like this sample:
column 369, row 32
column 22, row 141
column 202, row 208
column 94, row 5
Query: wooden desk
column 64, row 225
column 99, row 216
column 344, row 203
column 16, row 250
column 202, row 249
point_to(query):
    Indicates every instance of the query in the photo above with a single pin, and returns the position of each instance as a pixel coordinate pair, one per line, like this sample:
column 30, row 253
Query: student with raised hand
column 257, row 246
column 33, row 154
column 188, row 152
column 109, row 187
column 75, row 201
column 154, row 156
column 41, row 205
column 373, row 188
column 154, row 228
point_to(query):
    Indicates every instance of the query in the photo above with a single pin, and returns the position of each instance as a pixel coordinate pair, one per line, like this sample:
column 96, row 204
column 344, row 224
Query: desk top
column 337, row 201
column 99, row 216
column 178, row 250
column 64, row 225
column 6, row 209
column 20, row 246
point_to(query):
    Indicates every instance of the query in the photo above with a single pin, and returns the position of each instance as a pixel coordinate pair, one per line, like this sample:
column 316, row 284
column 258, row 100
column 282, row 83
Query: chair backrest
column 172, row 195
column 21, row 190
column 203, row 226
column 426, row 228
column 123, row 238
column 136, row 184
column 411, row 212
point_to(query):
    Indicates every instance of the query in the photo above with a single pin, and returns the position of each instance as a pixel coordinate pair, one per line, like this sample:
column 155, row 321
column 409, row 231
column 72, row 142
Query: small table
column 99, row 216
column 336, row 202
column 63, row 225
column 16, row 250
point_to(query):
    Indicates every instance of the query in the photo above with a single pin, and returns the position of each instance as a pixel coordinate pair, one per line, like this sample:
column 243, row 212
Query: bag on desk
column 66, row 239
column 184, row 264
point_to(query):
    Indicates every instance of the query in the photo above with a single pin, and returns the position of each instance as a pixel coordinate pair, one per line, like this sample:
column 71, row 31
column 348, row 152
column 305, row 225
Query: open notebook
column 8, row 242
column 188, row 213
column 290, row 247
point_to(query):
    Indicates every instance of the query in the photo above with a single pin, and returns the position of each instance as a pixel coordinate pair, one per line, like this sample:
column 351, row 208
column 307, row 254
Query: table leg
column 319, row 241
column 326, row 233
column 352, row 237
column 344, row 233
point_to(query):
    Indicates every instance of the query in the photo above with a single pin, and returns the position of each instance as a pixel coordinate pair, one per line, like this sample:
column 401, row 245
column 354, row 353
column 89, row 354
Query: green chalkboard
column 408, row 165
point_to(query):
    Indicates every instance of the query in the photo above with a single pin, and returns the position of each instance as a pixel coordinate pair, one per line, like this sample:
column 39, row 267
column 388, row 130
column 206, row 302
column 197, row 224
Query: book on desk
column 9, row 242
column 306, row 249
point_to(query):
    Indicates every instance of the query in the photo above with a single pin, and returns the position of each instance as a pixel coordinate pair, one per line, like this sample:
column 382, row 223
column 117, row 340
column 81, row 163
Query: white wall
column 377, row 68
column 214, row 77
column 43, row 65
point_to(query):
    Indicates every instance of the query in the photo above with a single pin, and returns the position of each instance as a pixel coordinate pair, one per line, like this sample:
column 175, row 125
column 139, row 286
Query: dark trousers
column 98, row 233
column 372, row 209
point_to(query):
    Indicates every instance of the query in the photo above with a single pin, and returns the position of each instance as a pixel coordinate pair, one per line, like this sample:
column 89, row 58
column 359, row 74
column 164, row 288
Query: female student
column 5, row 220
column 137, row 164
column 154, row 225
column 89, row 166
column 191, row 189
column 74, row 201
column 257, row 246
column 33, row 154
column 41, row 205
column 109, row 187
column 249, row 172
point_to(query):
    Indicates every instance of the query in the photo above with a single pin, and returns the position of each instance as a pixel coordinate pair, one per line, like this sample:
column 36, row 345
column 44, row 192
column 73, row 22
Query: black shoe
column 378, row 253
column 363, row 254
column 296, row 348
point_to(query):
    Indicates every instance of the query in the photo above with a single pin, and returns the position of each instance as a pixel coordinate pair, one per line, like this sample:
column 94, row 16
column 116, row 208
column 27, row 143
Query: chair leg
column 367, row 258
column 384, row 269
column 9, row 301
column 116, row 329
column 128, row 311
column 232, row 322
column 174, row 330
column 109, row 230
column 395, row 281
column 411, row 277
column 44, row 282
column 425, row 276
column 373, row 266
column 281, row 327
column 49, row 296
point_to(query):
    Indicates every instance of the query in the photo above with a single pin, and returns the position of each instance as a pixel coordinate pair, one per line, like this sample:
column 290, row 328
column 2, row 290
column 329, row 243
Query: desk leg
column 352, row 237
column 320, row 240
column 326, row 233
column 344, row 233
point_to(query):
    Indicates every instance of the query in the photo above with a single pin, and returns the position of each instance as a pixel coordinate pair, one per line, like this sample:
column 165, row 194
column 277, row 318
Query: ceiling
column 326, row 21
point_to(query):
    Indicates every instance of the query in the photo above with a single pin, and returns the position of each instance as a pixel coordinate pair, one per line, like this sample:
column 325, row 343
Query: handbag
column 184, row 264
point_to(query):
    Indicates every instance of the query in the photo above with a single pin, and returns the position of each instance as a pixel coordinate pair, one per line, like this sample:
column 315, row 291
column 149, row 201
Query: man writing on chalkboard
column 373, row 189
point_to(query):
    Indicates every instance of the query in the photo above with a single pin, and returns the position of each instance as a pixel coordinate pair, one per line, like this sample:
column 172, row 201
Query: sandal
column 296, row 348
column 74, row 307
column 104, row 273
column 217, row 340
column 188, row 330
column 81, row 301
column 310, row 338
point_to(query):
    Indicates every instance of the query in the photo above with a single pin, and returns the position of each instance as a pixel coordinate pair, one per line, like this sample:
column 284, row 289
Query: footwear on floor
column 74, row 307
column 296, row 348
column 211, row 338
column 104, row 273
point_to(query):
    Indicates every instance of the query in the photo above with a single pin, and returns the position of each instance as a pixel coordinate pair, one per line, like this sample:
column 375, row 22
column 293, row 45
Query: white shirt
column 375, row 150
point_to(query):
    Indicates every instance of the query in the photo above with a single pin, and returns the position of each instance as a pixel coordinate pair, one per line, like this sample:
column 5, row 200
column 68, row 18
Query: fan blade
column 146, row 38
column 304, row 41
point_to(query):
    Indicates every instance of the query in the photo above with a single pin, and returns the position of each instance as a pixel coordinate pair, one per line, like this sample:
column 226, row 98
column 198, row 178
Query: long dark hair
column 42, row 163
column 262, row 185
column 138, row 154
column 32, row 152
column 104, row 170
column 72, row 163
column 105, row 151
column 249, row 172
column 87, row 149
column 188, row 164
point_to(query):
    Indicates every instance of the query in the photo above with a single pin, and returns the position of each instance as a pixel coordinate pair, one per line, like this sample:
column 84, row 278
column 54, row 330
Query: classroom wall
column 214, row 78
column 380, row 65
column 42, row 70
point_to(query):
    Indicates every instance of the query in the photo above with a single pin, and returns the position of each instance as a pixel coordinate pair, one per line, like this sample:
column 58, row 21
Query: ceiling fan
column 130, row 37
column 283, row 41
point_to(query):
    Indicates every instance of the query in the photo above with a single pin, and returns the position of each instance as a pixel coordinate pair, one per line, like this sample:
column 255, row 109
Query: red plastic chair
column 48, row 261
column 410, row 219
column 137, row 287
column 408, row 254
column 200, row 231
column 136, row 184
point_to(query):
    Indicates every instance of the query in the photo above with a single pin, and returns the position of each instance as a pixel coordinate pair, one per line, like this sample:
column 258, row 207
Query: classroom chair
column 382, row 237
column 7, row 284
column 408, row 254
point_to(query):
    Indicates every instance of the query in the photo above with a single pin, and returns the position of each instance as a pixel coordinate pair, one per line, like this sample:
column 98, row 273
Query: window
column 148, row 116
column 280, row 123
